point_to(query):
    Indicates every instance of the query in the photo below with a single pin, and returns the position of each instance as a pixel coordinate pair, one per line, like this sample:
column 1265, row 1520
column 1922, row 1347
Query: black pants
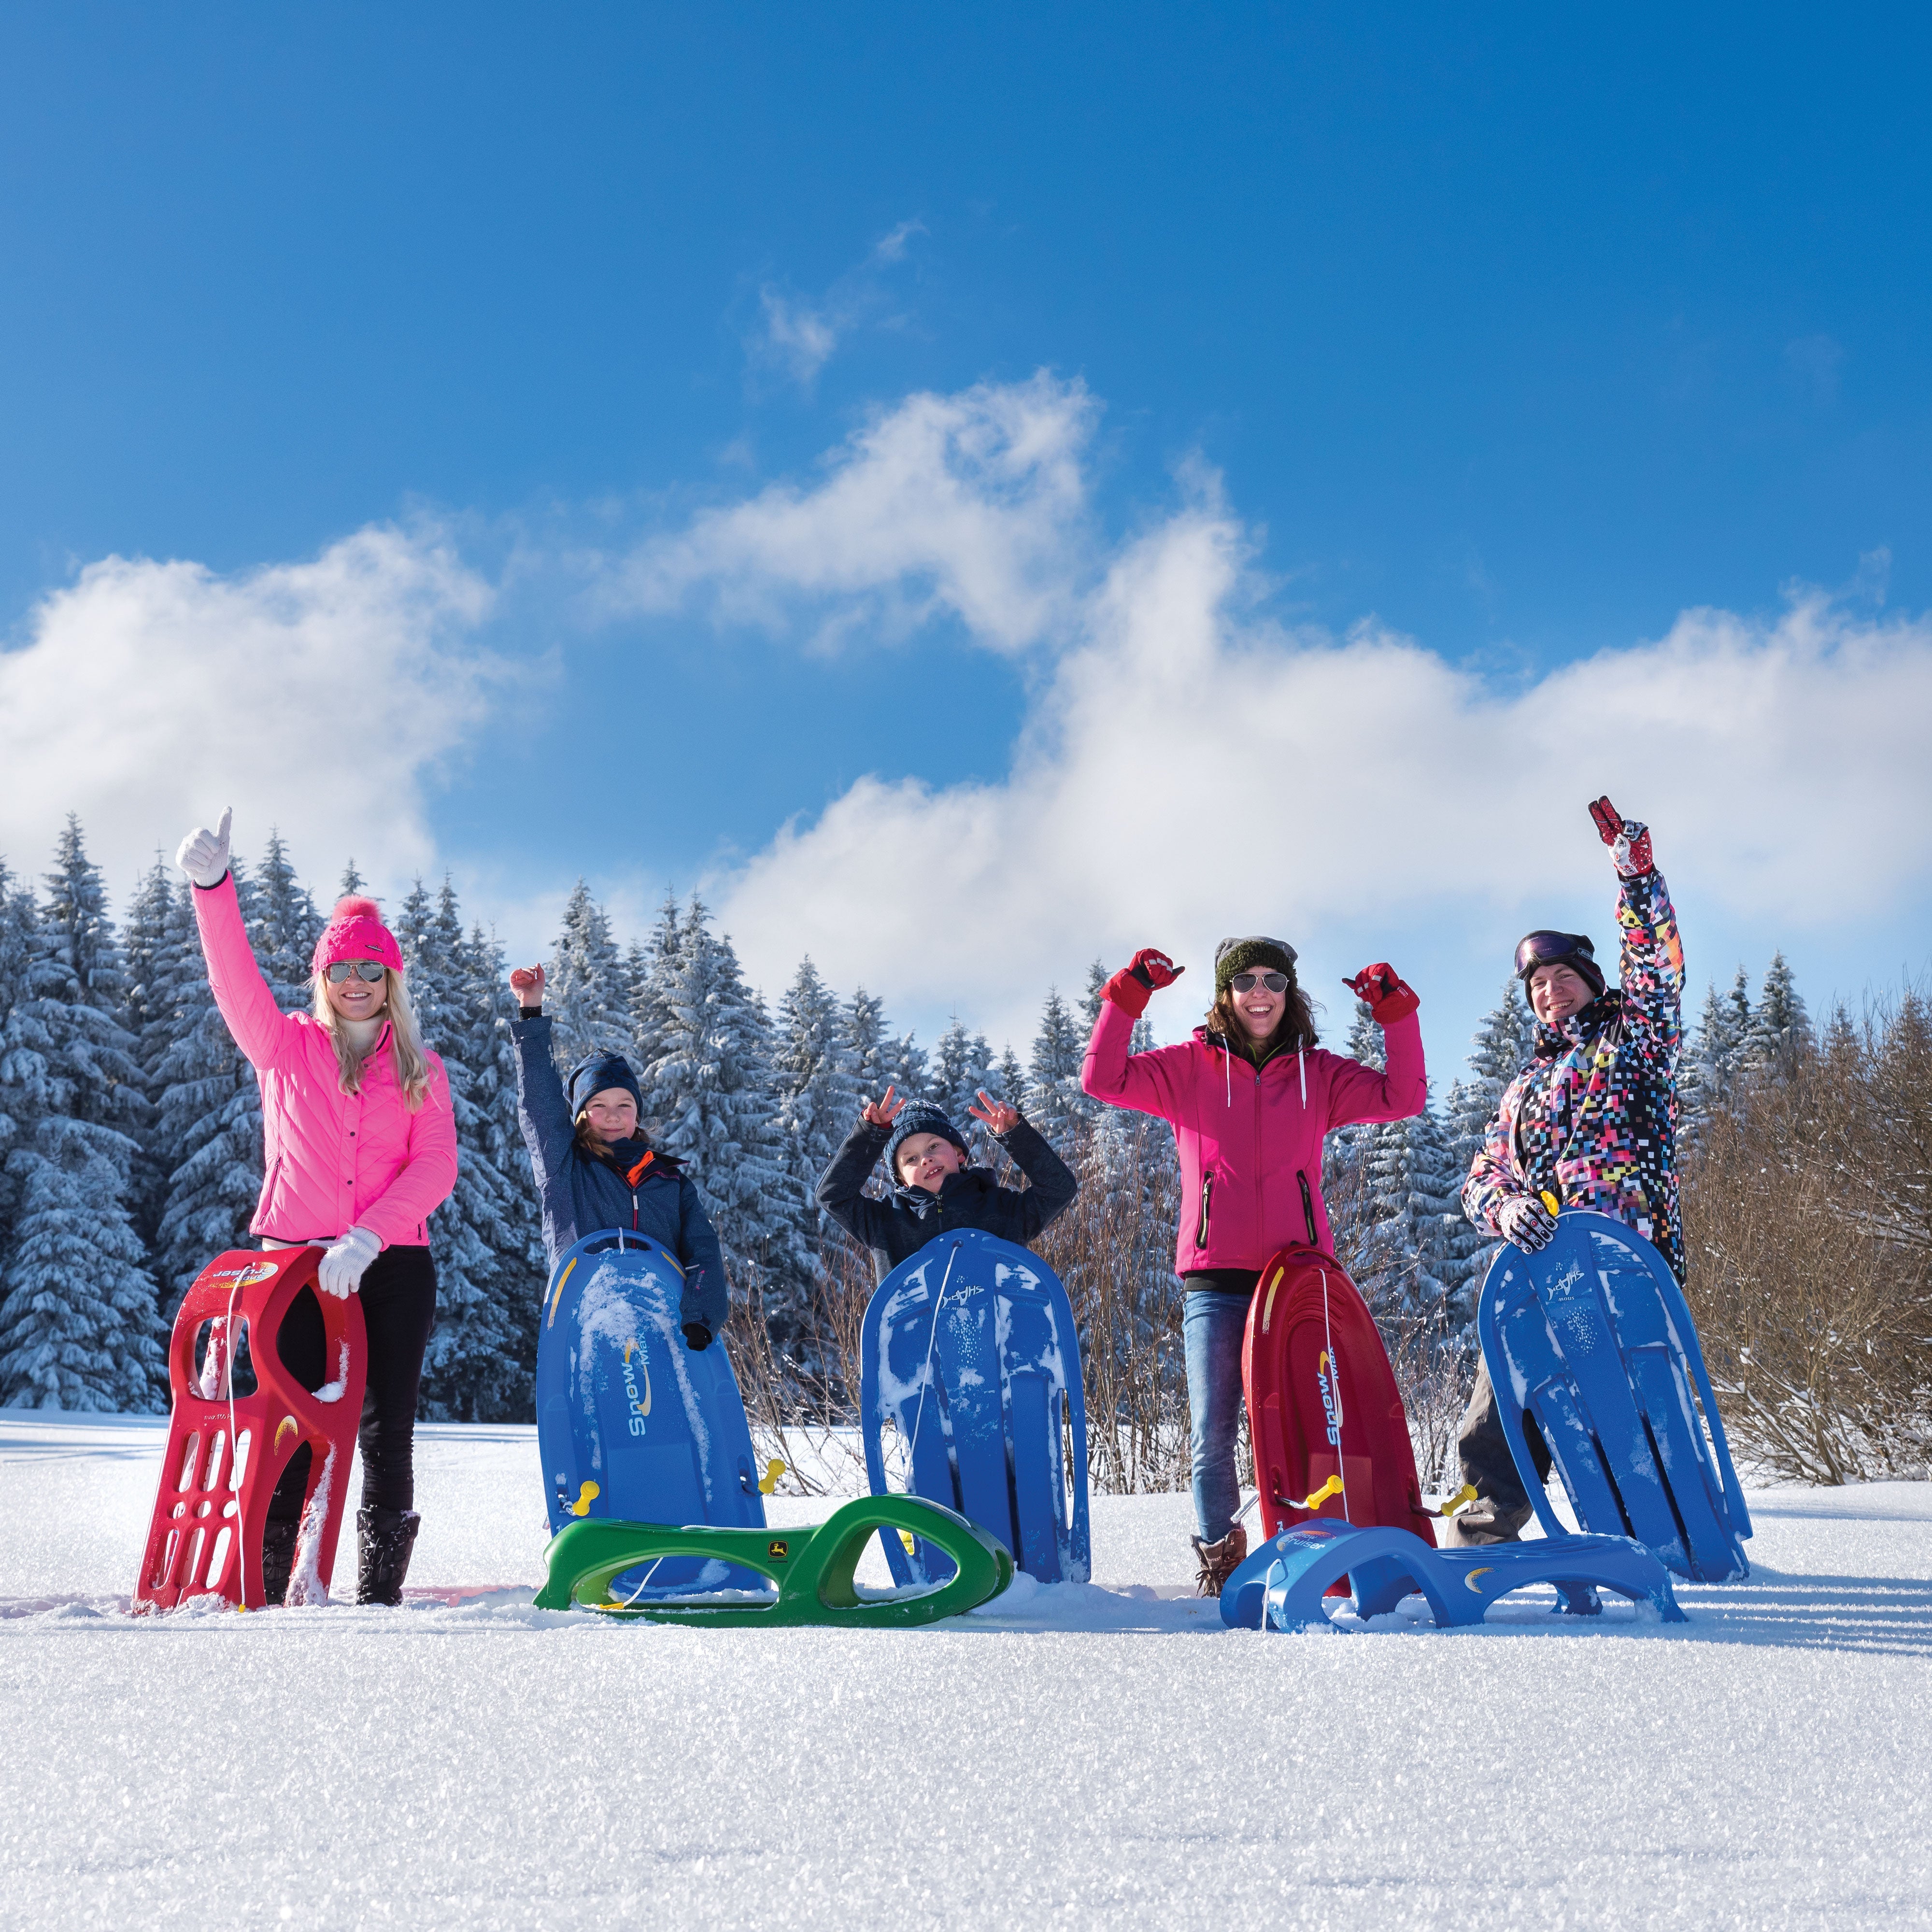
column 398, row 1295
column 1484, row 1450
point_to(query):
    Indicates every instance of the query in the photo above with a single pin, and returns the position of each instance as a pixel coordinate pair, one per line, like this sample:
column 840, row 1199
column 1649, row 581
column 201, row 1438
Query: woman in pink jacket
column 359, row 1150
column 1250, row 1097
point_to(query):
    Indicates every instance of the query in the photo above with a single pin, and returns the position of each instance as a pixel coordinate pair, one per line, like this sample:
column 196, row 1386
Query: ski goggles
column 1244, row 982
column 1544, row 949
column 371, row 969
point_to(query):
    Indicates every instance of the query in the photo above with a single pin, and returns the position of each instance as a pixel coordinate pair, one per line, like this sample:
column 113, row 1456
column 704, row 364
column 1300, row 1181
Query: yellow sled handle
column 1550, row 1201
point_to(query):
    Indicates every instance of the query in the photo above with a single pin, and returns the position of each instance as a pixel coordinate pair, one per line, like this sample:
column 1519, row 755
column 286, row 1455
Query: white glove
column 344, row 1263
column 1526, row 1223
column 203, row 856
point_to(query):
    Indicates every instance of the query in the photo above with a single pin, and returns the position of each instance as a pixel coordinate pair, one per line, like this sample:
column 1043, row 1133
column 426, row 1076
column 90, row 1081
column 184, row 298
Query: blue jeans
column 1212, row 1324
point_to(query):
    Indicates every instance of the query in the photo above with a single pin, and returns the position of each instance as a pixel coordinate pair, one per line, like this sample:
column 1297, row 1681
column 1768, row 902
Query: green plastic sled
column 812, row 1568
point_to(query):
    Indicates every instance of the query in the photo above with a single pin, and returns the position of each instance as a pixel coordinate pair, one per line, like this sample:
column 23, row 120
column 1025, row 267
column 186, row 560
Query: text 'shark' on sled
column 632, row 1423
column 238, row 1419
column 968, row 1353
column 1331, row 1436
column 1592, row 1340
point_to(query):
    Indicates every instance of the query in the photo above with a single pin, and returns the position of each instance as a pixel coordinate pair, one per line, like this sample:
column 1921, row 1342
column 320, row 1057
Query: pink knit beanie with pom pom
column 356, row 930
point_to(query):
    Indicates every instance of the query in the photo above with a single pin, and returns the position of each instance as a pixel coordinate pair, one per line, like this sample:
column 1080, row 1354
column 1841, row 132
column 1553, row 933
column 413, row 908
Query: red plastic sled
column 226, row 1452
column 1311, row 1422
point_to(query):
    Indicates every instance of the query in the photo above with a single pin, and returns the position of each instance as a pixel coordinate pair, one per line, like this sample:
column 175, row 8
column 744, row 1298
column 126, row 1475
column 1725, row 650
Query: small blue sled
column 1281, row 1585
column 632, row 1424
column 969, row 1350
column 1591, row 1338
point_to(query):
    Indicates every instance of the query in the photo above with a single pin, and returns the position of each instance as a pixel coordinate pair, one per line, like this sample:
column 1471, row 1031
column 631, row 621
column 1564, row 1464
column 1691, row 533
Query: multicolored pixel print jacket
column 1593, row 1117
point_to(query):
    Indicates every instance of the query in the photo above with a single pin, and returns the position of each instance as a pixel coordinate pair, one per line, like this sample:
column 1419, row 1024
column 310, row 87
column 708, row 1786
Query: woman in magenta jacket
column 1250, row 1098
column 359, row 1150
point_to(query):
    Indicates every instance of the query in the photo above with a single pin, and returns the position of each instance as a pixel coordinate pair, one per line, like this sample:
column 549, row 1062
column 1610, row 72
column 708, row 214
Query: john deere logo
column 778, row 1548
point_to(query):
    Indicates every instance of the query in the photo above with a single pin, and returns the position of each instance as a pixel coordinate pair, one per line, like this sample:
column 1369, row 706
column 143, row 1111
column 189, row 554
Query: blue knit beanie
column 598, row 1071
column 919, row 1120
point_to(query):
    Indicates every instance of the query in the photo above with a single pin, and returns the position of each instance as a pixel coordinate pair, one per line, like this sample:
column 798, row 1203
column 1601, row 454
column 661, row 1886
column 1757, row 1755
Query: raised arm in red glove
column 1129, row 987
column 1628, row 839
column 1388, row 997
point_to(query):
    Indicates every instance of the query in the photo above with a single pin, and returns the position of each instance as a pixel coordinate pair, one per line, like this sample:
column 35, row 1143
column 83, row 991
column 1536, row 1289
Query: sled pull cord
column 931, row 1340
column 1335, row 1386
column 241, row 1542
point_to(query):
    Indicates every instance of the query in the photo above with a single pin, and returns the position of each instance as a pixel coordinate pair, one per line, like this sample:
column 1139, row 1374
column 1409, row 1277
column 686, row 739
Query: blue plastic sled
column 633, row 1424
column 1281, row 1585
column 1592, row 1339
column 969, row 1350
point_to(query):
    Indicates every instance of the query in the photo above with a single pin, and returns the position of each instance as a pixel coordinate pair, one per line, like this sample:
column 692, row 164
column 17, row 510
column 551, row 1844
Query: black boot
column 278, row 1560
column 384, row 1538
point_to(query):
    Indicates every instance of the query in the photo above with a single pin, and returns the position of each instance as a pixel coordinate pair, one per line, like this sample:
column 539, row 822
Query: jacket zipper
column 1206, row 1202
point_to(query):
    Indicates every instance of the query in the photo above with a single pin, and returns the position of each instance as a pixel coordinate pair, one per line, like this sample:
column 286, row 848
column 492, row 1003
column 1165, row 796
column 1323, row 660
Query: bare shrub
column 1113, row 1249
column 1808, row 1222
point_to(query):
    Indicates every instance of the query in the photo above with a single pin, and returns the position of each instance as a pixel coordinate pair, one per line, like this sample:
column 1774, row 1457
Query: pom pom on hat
column 356, row 930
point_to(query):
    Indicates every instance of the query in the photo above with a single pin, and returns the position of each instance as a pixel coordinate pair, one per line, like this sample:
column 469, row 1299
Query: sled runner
column 237, row 1418
column 1281, row 1585
column 632, row 1424
column 1324, row 1411
column 969, row 1350
column 811, row 1568
column 1591, row 1340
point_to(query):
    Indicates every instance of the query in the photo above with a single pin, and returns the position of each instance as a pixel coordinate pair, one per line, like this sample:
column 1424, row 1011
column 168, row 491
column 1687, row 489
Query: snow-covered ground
column 1108, row 1752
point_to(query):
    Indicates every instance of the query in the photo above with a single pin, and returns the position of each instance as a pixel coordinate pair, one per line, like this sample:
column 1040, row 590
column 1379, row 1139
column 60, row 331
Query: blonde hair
column 406, row 1046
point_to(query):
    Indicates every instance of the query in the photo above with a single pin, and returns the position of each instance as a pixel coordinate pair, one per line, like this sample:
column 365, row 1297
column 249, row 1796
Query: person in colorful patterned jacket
column 1590, row 1122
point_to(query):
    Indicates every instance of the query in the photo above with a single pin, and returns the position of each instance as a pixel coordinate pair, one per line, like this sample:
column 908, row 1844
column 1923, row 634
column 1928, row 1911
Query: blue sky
column 1513, row 336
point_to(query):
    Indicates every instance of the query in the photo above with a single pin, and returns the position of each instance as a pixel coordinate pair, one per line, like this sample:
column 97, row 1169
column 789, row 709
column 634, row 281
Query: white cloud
column 798, row 337
column 972, row 505
column 316, row 697
column 1188, row 769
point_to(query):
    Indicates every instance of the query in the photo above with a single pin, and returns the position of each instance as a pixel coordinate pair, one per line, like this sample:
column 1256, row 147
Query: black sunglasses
column 371, row 969
column 1243, row 983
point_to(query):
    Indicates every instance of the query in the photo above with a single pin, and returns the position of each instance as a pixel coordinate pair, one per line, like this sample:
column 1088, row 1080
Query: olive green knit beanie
column 1243, row 955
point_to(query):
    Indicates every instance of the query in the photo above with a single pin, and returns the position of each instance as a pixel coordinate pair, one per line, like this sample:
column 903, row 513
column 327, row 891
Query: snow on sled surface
column 634, row 1424
column 469, row 1767
column 969, row 1353
column 1322, row 1401
column 1592, row 1339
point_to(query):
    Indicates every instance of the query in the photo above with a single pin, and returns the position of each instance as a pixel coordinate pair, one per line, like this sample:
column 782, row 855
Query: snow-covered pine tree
column 1499, row 1052
column 470, row 1371
column 818, row 1103
column 585, row 994
column 207, row 1134
column 1055, row 1104
column 710, row 1092
column 144, row 941
column 1781, row 1029
column 79, row 1327
column 1011, row 1077
column 488, row 1007
column 16, row 1061
column 1712, row 1061
column 283, row 926
column 653, row 967
column 961, row 1065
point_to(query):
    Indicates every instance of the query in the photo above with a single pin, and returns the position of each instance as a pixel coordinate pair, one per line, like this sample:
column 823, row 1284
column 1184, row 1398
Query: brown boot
column 1219, row 1560
column 1483, row 1521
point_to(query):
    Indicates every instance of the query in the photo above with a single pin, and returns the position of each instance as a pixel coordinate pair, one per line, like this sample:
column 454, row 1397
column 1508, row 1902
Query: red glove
column 1628, row 839
column 1388, row 997
column 1129, row 987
